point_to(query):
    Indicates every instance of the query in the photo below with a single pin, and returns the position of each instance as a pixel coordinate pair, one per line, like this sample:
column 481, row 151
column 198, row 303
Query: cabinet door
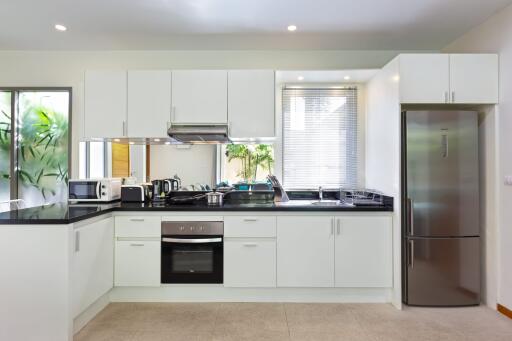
column 364, row 252
column 137, row 263
column 149, row 103
column 249, row 262
column 200, row 96
column 424, row 78
column 474, row 78
column 251, row 105
column 93, row 262
column 105, row 104
column 305, row 251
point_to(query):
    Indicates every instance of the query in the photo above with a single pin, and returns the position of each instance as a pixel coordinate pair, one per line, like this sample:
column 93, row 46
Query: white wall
column 66, row 68
column 383, row 154
column 193, row 165
column 495, row 36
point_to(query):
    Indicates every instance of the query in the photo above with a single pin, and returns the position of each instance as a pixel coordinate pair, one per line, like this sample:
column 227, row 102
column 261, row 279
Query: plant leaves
column 51, row 174
column 40, row 175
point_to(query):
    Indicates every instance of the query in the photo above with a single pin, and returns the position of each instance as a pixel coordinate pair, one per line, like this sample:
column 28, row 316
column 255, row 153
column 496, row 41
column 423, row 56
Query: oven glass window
column 197, row 259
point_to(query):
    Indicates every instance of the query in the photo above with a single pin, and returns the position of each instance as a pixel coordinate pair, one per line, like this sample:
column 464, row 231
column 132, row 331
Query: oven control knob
column 103, row 193
column 103, row 186
column 201, row 228
column 181, row 228
column 191, row 228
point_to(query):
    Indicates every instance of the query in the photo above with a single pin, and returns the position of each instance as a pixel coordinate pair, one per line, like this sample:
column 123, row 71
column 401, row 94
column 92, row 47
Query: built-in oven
column 192, row 252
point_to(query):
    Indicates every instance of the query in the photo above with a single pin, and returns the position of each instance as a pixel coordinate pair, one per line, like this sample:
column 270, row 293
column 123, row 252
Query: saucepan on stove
column 215, row 198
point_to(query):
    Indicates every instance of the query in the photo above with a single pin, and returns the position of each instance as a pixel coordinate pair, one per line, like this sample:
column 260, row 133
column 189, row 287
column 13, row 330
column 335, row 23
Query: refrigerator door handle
column 411, row 216
column 411, row 251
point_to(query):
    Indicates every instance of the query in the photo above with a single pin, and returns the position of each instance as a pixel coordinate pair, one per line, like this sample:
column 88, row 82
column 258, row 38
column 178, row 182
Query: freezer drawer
column 443, row 271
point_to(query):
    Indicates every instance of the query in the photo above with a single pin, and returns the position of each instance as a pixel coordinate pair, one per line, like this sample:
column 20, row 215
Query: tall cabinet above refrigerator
column 440, row 186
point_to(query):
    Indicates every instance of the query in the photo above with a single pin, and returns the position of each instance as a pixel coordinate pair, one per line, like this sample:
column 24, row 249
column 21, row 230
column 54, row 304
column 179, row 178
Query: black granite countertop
column 64, row 213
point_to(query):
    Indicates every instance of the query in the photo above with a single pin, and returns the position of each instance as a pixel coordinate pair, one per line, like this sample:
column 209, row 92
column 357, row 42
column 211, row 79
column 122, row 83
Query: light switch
column 508, row 180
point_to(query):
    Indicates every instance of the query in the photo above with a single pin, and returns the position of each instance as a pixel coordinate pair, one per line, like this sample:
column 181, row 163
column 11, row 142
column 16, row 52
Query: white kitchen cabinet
column 93, row 261
column 200, row 97
column 105, row 101
column 474, row 78
column 305, row 251
column 149, row 103
column 364, row 252
column 249, row 262
column 137, row 263
column 250, row 226
column 424, row 78
column 138, row 226
column 251, row 103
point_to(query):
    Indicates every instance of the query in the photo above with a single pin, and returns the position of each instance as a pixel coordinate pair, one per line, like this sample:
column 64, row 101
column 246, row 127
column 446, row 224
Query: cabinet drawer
column 249, row 263
column 138, row 226
column 137, row 263
column 250, row 226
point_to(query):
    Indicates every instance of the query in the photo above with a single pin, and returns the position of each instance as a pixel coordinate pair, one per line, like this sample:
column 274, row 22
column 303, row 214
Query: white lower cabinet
column 137, row 263
column 305, row 251
column 364, row 252
column 250, row 262
column 93, row 259
column 137, row 255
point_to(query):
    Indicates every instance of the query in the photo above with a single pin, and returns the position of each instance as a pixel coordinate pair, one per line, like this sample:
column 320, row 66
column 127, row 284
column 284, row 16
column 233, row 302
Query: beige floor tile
column 321, row 318
column 348, row 335
column 170, row 335
column 250, row 334
column 251, row 318
column 102, row 333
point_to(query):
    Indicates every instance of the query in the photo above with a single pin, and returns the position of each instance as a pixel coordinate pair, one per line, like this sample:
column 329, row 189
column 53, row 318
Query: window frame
column 361, row 127
column 15, row 90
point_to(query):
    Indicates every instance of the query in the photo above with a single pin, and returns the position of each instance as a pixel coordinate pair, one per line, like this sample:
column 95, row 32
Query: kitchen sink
column 324, row 203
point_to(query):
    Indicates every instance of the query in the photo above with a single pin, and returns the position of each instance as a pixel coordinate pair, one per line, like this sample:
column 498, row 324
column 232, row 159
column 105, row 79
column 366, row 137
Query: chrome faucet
column 320, row 193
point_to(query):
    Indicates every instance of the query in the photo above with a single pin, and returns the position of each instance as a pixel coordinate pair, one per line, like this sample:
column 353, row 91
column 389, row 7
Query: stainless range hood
column 199, row 133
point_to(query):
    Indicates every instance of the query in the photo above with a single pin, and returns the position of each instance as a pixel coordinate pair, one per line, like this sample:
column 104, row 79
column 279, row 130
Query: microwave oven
column 94, row 190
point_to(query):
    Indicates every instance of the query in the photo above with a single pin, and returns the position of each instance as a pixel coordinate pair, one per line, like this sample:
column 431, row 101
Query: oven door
column 84, row 190
column 192, row 259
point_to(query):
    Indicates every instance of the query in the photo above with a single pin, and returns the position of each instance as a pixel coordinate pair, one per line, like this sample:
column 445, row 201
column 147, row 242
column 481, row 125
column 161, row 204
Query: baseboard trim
column 88, row 314
column 505, row 311
column 173, row 293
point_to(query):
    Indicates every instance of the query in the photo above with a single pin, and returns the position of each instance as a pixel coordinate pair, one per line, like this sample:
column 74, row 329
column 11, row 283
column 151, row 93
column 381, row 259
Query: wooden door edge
column 505, row 311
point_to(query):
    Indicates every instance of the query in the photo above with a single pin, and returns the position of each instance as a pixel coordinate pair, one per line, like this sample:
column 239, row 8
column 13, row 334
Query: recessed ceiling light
column 117, row 140
column 60, row 27
column 156, row 140
column 346, row 78
column 167, row 142
column 292, row 28
column 131, row 142
column 301, row 78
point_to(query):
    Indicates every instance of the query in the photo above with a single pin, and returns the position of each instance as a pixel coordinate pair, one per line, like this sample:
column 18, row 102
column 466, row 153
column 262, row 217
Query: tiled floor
column 294, row 321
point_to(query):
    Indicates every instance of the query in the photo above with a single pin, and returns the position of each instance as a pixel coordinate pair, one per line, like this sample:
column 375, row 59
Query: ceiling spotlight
column 60, row 27
column 131, row 142
column 117, row 140
column 292, row 28
column 156, row 140
column 167, row 142
column 346, row 78
column 301, row 78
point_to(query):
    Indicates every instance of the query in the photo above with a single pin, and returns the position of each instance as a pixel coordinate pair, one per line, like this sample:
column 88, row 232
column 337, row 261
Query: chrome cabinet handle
column 446, row 96
column 338, row 226
column 77, row 241
column 192, row 241
column 250, row 244
column 332, row 226
column 250, row 219
column 136, row 244
column 453, row 96
column 411, row 258
column 173, row 114
column 137, row 219
column 124, row 128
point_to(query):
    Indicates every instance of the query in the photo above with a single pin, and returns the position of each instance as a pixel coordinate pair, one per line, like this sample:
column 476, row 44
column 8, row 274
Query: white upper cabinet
column 200, row 96
column 305, row 251
column 474, row 78
column 449, row 78
column 149, row 103
column 251, row 103
column 424, row 78
column 364, row 252
column 105, row 104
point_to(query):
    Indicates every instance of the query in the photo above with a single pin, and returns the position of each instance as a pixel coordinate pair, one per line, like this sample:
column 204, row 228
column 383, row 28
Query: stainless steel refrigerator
column 440, row 205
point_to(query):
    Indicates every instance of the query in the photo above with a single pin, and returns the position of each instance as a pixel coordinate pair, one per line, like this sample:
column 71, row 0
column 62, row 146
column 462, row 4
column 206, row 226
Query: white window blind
column 320, row 137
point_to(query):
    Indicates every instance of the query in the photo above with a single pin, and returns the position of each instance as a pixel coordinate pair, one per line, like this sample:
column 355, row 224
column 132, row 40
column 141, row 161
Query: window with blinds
column 320, row 137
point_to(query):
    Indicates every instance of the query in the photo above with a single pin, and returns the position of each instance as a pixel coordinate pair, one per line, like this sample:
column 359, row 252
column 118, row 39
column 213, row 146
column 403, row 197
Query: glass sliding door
column 43, row 144
column 5, row 145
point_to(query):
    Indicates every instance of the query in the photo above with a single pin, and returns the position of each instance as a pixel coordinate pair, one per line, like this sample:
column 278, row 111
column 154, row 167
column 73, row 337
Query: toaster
column 136, row 193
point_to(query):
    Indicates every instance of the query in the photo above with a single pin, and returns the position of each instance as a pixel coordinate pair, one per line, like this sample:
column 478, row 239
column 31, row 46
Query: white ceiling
column 239, row 24
column 327, row 76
